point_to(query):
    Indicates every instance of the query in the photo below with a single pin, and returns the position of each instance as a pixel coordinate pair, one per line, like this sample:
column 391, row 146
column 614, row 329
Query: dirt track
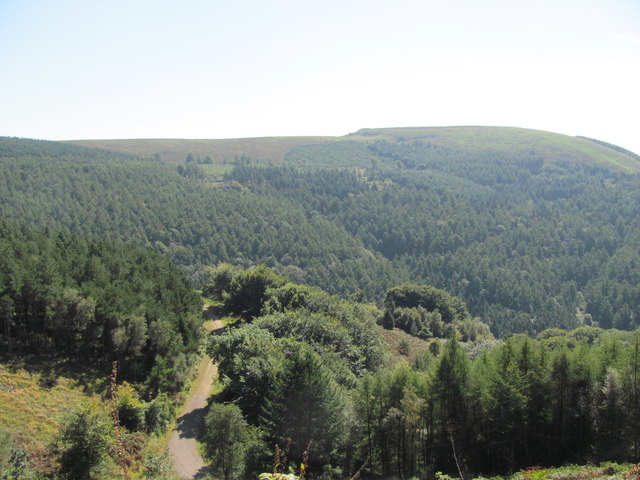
column 182, row 444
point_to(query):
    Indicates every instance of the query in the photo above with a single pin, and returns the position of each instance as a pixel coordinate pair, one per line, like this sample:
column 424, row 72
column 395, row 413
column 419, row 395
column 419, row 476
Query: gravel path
column 182, row 444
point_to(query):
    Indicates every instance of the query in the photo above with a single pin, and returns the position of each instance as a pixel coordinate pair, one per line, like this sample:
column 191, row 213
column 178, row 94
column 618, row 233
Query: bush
column 131, row 410
column 158, row 414
column 82, row 443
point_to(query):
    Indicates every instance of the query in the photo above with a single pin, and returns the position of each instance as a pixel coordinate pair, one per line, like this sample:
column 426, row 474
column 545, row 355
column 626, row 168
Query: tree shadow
column 204, row 472
column 211, row 313
column 49, row 369
column 189, row 424
column 219, row 331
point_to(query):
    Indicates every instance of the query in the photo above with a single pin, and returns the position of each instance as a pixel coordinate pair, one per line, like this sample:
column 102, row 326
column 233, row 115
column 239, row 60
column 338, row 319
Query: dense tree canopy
column 481, row 406
column 526, row 243
column 89, row 241
column 97, row 301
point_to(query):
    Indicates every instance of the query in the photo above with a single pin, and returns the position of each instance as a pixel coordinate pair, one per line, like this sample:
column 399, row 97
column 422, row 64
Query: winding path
column 182, row 444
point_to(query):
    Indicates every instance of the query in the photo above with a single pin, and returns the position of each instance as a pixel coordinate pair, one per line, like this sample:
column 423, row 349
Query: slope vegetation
column 528, row 238
column 508, row 140
column 345, row 150
column 266, row 149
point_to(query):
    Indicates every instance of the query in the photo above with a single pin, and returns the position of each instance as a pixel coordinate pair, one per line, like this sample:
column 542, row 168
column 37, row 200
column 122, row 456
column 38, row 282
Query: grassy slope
column 35, row 395
column 605, row 471
column 393, row 339
column 551, row 146
column 268, row 149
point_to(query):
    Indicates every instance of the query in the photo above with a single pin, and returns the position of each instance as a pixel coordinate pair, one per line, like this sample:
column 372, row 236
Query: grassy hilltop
column 266, row 149
column 471, row 140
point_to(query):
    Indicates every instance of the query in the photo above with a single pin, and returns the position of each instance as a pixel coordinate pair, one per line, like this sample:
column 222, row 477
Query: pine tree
column 306, row 406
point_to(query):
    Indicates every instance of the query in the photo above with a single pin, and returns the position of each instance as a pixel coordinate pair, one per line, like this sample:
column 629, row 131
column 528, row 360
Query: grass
column 398, row 342
column 604, row 471
column 266, row 149
column 34, row 396
column 552, row 146
column 302, row 150
column 216, row 169
column 36, row 393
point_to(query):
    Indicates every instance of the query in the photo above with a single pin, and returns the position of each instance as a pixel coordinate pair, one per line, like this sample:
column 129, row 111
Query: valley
column 424, row 301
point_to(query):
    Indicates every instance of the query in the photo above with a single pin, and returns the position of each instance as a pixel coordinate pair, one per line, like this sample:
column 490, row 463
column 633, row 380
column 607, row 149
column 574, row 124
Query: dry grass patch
column 403, row 345
column 34, row 396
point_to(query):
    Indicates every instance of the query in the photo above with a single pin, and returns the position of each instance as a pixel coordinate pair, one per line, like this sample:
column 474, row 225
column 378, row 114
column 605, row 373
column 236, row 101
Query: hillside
column 476, row 140
column 35, row 395
column 471, row 140
column 527, row 239
column 454, row 250
column 267, row 149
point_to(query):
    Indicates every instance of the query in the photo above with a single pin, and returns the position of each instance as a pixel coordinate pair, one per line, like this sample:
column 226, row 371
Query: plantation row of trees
column 310, row 369
column 96, row 301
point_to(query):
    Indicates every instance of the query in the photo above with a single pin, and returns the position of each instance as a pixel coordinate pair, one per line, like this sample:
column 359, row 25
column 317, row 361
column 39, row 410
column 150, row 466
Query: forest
column 527, row 243
column 395, row 307
column 97, row 301
column 309, row 368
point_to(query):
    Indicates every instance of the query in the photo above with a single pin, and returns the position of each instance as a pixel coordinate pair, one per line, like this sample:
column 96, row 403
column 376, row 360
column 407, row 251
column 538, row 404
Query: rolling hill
column 267, row 149
column 469, row 140
column 530, row 230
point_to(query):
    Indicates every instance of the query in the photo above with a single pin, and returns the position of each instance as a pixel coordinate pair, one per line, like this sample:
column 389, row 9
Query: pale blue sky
column 218, row 69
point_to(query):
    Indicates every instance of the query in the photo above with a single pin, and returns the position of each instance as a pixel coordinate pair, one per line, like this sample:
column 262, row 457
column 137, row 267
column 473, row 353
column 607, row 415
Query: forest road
column 182, row 444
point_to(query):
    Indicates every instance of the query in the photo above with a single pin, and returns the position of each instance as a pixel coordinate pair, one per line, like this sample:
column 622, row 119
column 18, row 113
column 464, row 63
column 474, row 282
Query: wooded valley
column 394, row 302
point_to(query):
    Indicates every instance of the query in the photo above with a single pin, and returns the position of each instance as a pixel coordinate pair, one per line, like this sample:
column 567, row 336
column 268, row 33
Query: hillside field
column 468, row 139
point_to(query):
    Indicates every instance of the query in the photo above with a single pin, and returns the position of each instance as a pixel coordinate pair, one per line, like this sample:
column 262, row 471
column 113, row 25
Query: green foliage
column 426, row 312
column 305, row 405
column 94, row 300
column 289, row 370
column 13, row 459
column 147, row 203
column 247, row 292
column 249, row 359
column 228, row 439
column 344, row 333
column 491, row 406
column 430, row 298
column 131, row 410
column 522, row 241
column 82, row 444
column 158, row 467
column 527, row 239
column 159, row 413
column 514, row 404
column 404, row 346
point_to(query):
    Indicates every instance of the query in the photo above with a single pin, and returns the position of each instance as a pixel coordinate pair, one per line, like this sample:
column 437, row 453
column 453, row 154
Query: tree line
column 294, row 375
column 97, row 301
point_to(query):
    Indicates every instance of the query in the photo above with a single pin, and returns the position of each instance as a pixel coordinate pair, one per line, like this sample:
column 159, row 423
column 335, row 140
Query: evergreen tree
column 83, row 443
column 227, row 439
column 306, row 406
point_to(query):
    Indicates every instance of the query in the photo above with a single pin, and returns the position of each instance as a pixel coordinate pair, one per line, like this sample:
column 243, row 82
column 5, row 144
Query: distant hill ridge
column 550, row 146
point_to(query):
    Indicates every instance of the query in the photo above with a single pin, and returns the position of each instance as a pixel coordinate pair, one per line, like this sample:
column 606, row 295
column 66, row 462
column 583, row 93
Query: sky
column 85, row 69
